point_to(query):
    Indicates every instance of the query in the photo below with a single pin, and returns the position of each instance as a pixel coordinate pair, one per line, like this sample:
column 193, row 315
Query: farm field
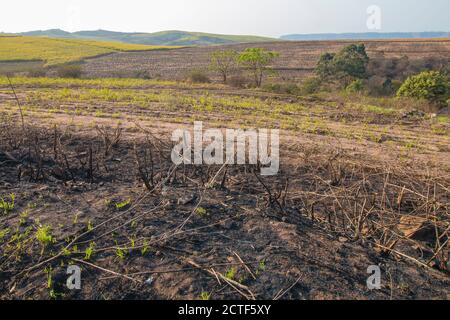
column 296, row 60
column 52, row 51
column 87, row 177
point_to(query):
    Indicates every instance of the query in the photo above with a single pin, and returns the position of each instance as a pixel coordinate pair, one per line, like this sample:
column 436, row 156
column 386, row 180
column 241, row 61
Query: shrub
column 430, row 85
column 70, row 71
column 355, row 87
column 282, row 88
column 142, row 74
column 37, row 73
column 380, row 86
column 311, row 85
column 198, row 76
column 237, row 81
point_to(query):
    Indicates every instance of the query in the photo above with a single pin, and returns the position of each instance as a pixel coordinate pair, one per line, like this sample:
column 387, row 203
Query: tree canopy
column 351, row 62
column 257, row 61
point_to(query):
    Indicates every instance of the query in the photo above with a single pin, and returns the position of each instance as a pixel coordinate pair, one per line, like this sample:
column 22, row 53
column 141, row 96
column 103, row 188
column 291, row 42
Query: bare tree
column 224, row 62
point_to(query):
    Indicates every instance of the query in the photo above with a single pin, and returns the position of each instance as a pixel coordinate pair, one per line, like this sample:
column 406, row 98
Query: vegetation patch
column 58, row 51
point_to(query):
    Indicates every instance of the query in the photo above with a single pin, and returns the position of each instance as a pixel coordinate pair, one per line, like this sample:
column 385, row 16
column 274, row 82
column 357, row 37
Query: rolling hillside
column 173, row 37
column 55, row 51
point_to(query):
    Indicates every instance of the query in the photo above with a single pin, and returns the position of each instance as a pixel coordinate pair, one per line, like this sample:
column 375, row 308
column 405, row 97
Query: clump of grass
column 443, row 119
column 4, row 233
column 409, row 145
column 205, row 296
column 23, row 217
column 7, row 206
column 48, row 271
column 89, row 251
column 145, row 248
column 90, row 226
column 44, row 235
column 231, row 273
column 123, row 204
column 201, row 212
column 121, row 253
column 261, row 267
column 66, row 252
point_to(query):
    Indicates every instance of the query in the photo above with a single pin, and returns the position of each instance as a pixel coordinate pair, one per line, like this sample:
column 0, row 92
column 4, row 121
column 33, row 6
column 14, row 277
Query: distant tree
column 224, row 62
column 430, row 85
column 311, row 85
column 325, row 67
column 257, row 61
column 350, row 63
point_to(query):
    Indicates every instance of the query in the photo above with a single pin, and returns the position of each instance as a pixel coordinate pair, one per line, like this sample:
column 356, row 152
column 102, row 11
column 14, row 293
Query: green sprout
column 7, row 206
column 205, row 296
column 123, row 204
column 121, row 253
column 201, row 212
column 89, row 251
column 231, row 273
column 44, row 235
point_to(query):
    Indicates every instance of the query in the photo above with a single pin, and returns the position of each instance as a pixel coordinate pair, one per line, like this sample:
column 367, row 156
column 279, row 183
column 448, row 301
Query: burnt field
column 86, row 178
column 297, row 59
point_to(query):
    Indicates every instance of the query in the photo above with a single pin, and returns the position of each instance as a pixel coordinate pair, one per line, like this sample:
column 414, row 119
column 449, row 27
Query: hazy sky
column 259, row 17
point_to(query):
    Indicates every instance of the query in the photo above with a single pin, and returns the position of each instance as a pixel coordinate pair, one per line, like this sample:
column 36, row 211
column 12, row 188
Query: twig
column 245, row 266
column 106, row 270
column 278, row 296
column 235, row 285
column 18, row 103
column 403, row 255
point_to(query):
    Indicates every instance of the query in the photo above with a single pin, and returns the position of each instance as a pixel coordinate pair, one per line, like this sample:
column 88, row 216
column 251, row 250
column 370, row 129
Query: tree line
column 256, row 61
column 349, row 69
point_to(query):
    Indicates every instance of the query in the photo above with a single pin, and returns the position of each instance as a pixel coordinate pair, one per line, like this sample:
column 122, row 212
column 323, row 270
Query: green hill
column 166, row 38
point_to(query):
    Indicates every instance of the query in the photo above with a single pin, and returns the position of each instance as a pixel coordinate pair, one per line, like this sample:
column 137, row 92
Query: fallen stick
column 404, row 256
column 245, row 266
column 106, row 270
column 234, row 284
column 179, row 270
column 279, row 295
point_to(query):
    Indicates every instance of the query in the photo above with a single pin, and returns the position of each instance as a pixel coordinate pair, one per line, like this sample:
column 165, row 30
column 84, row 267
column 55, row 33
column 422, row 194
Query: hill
column 173, row 37
column 55, row 51
column 366, row 36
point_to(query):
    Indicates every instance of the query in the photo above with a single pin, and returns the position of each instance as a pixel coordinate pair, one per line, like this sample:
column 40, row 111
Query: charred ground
column 94, row 185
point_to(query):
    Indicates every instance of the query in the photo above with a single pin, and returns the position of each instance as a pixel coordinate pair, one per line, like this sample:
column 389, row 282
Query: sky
column 256, row 17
